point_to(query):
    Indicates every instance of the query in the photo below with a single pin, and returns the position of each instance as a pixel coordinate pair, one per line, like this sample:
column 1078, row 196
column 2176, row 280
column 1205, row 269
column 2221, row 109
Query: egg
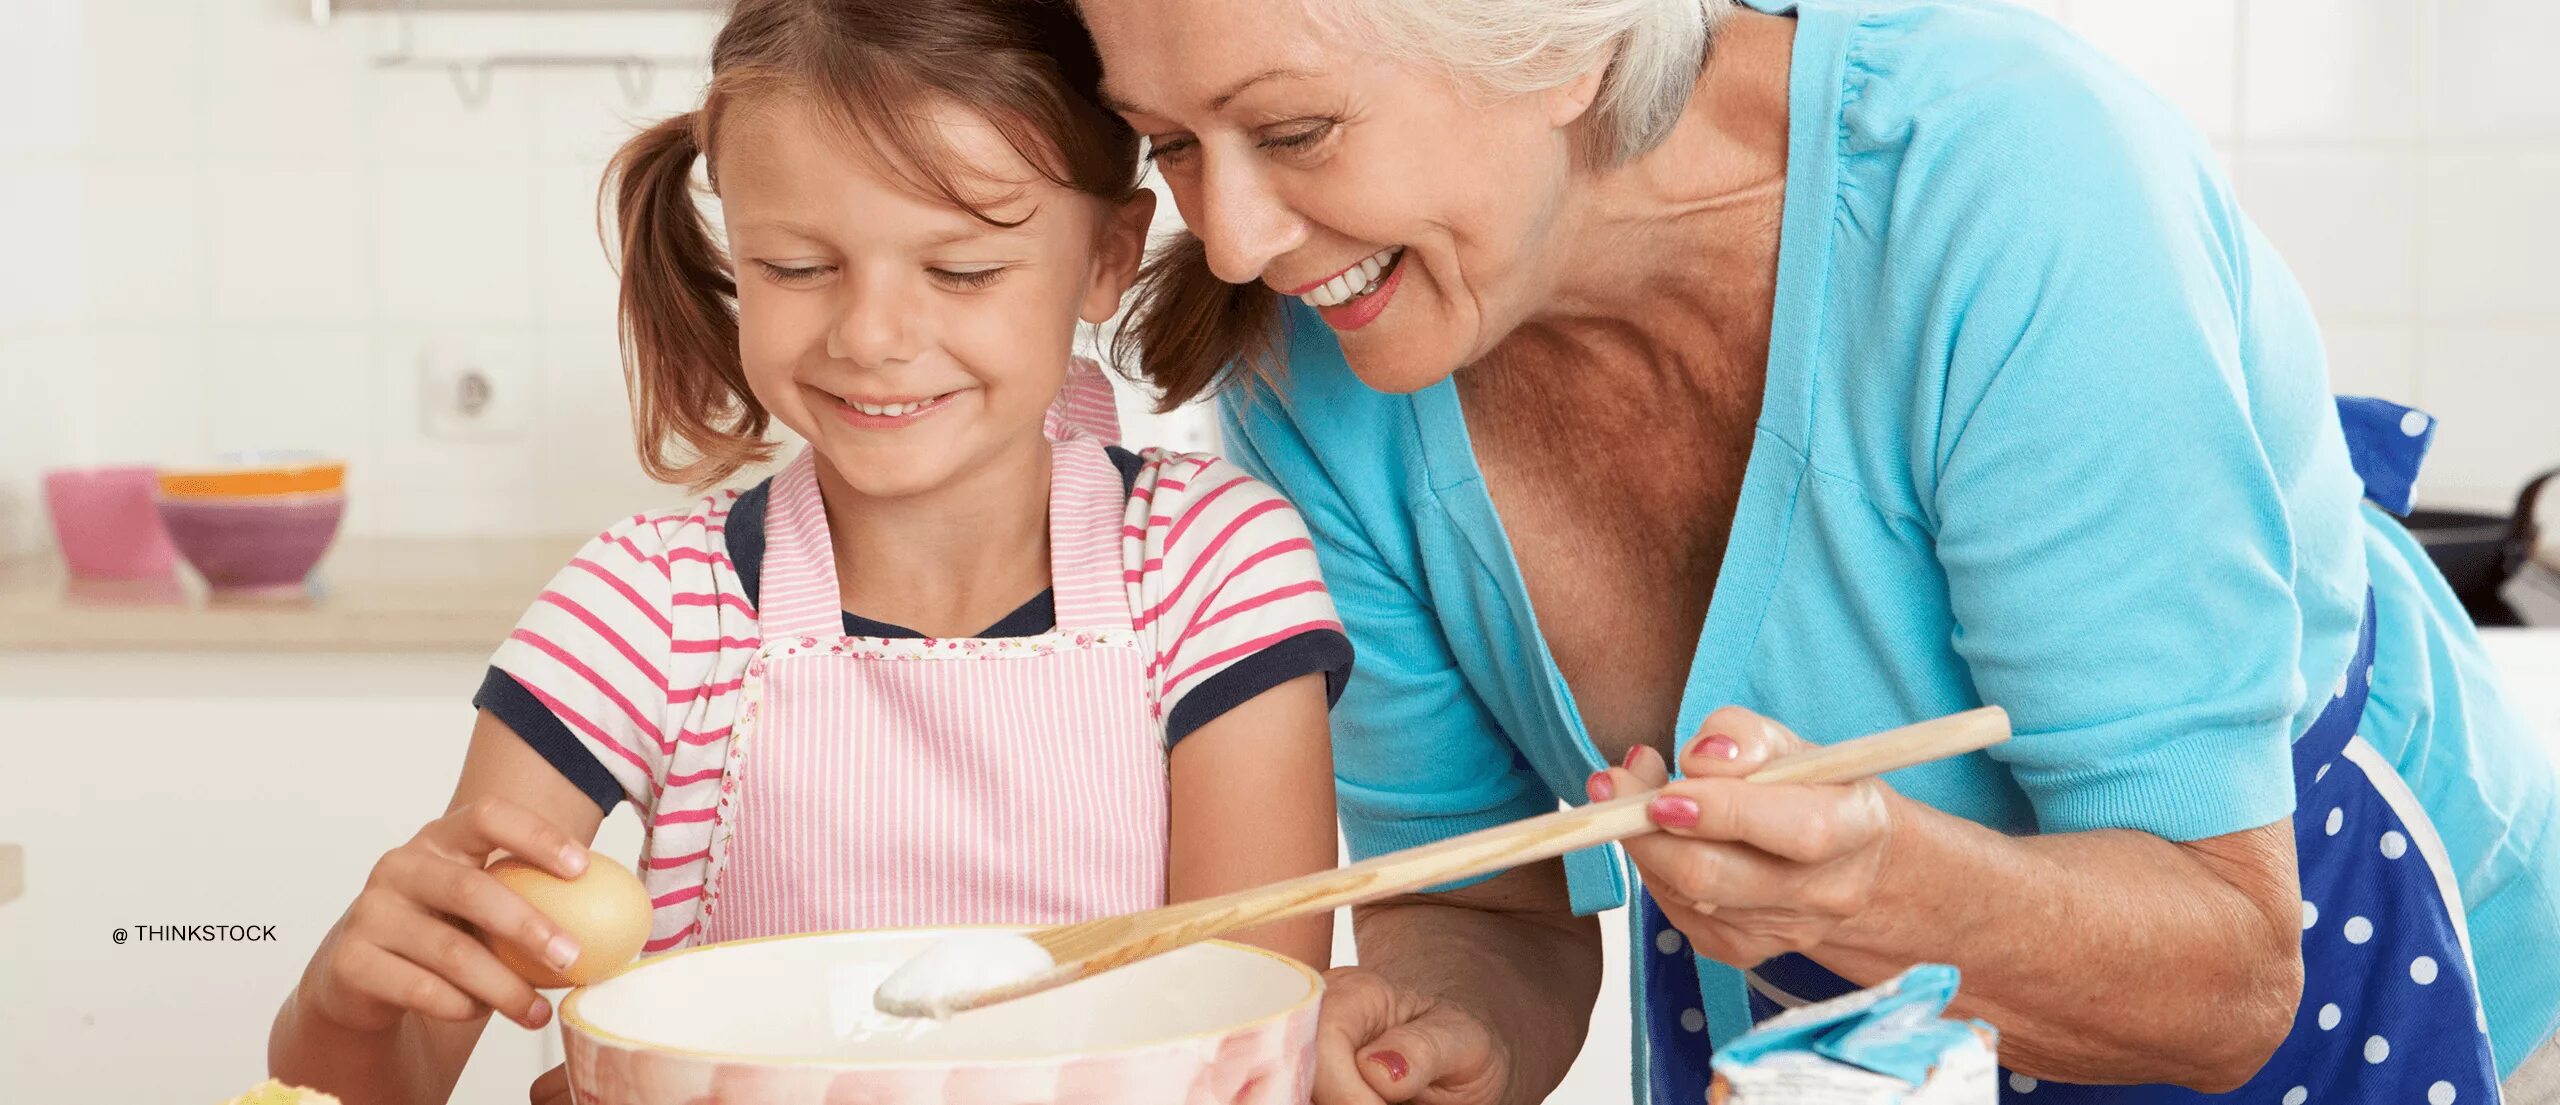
column 604, row 909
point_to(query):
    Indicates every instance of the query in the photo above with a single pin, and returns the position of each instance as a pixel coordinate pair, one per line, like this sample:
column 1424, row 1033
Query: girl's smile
column 889, row 414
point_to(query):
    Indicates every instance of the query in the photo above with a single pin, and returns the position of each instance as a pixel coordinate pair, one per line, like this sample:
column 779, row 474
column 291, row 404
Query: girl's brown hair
column 870, row 68
column 1189, row 331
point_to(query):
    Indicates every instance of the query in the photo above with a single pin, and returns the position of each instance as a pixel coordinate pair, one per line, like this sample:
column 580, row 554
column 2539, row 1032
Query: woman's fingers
column 1710, row 877
column 1358, row 1005
column 1377, row 1042
column 1443, row 1053
column 1735, row 741
column 492, row 825
column 552, row 1088
column 1806, row 824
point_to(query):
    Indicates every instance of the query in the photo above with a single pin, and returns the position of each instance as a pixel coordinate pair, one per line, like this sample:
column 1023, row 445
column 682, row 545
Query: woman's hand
column 1751, row 871
column 552, row 1088
column 408, row 943
column 1380, row 1042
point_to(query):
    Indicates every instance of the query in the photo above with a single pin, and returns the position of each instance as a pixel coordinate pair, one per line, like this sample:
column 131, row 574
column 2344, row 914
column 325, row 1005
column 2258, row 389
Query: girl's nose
column 874, row 325
column 1243, row 221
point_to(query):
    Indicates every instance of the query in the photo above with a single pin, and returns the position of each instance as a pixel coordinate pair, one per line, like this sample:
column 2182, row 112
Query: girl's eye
column 1169, row 149
column 978, row 278
column 793, row 276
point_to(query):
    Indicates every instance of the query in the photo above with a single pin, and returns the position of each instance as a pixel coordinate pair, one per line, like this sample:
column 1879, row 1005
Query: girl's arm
column 400, row 990
column 1252, row 803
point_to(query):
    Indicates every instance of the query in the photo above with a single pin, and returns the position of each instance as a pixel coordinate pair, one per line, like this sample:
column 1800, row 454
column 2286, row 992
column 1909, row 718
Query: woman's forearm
column 2103, row 957
column 1507, row 951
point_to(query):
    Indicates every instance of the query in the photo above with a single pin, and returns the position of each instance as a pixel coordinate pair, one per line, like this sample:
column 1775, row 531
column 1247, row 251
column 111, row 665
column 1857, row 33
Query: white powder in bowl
column 959, row 966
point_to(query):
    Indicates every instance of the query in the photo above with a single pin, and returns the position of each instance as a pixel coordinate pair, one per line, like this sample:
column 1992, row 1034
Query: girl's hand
column 409, row 945
column 1380, row 1042
column 1751, row 871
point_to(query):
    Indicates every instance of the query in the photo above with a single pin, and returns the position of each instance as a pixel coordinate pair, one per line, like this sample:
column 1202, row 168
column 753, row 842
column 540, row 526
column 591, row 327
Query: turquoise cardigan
column 2047, row 425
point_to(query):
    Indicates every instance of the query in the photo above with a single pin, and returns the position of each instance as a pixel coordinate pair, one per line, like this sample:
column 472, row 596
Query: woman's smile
column 1354, row 297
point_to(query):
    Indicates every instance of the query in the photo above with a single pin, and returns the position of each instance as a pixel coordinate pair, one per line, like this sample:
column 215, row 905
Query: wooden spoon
column 1089, row 948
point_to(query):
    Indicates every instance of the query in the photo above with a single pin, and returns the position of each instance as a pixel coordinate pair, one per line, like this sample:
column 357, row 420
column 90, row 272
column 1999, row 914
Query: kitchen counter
column 396, row 595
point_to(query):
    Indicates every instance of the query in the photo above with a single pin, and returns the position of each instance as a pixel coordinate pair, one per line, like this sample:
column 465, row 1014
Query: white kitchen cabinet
column 171, row 789
column 196, row 788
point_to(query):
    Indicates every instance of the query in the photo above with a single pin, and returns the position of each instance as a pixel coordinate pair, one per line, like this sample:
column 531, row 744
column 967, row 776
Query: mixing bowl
column 788, row 1021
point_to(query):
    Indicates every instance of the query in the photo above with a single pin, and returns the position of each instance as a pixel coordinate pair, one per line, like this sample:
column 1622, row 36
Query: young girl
column 959, row 661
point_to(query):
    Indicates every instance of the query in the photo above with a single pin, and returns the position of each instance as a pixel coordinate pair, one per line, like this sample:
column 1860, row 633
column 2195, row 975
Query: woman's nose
column 873, row 325
column 1243, row 221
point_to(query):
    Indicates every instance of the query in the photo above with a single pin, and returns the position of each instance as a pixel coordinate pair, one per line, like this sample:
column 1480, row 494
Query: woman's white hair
column 1654, row 50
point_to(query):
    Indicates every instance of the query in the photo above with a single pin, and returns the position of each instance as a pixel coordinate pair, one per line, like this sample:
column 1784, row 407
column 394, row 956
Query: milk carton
column 1882, row 1046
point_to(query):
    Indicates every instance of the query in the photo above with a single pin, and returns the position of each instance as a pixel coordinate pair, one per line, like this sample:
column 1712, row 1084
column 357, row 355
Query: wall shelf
column 322, row 11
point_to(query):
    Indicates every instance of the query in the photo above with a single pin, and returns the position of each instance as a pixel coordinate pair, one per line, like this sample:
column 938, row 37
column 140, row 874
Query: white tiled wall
column 230, row 229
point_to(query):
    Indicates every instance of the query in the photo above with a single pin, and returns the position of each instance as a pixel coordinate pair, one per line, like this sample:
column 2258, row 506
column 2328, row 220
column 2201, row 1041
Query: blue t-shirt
column 2047, row 425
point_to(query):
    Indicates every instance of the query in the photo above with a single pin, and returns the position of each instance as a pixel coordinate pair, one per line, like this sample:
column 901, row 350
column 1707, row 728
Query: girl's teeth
column 893, row 410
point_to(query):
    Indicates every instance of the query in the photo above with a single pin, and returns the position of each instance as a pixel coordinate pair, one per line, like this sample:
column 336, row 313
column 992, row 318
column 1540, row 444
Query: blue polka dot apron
column 2389, row 1012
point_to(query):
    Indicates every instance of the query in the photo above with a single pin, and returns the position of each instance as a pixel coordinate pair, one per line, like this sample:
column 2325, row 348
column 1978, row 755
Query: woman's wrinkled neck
column 1676, row 239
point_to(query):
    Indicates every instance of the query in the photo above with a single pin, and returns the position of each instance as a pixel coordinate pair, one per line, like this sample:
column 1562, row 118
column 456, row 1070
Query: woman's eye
column 1299, row 136
column 794, row 275
column 974, row 278
column 1169, row 149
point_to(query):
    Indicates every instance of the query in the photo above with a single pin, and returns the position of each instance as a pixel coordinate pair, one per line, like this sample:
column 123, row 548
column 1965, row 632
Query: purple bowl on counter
column 267, row 544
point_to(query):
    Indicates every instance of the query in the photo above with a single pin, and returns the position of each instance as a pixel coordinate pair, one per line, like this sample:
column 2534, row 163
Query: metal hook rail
column 475, row 77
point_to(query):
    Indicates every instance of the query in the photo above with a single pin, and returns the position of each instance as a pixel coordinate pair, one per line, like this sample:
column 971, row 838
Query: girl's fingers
column 375, row 974
column 466, row 965
column 495, row 824
column 476, row 898
column 1806, row 824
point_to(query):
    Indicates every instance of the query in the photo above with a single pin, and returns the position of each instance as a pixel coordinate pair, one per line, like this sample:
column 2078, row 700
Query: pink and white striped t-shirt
column 626, row 672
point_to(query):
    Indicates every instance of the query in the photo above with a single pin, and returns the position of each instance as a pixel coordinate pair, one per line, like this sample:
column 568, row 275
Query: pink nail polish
column 1394, row 1064
column 1720, row 746
column 1599, row 787
column 1674, row 812
column 1633, row 751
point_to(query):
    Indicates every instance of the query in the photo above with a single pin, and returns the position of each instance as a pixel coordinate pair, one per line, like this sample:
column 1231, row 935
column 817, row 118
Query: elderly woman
column 1648, row 371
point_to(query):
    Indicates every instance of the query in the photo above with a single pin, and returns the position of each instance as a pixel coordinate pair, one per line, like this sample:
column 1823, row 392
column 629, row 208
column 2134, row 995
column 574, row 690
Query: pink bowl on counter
column 789, row 1021
column 104, row 520
column 255, row 545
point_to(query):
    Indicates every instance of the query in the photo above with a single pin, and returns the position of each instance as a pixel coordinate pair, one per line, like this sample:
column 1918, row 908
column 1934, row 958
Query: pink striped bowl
column 788, row 1021
column 267, row 544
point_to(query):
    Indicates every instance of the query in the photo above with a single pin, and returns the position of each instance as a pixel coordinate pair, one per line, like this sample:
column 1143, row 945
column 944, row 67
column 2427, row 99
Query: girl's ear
column 1120, row 246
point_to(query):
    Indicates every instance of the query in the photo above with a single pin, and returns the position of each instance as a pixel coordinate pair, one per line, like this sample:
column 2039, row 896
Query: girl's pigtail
column 1188, row 331
column 690, row 408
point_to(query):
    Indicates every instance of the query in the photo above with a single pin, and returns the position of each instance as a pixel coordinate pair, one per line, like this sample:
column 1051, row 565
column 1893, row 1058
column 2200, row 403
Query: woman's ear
column 1120, row 248
column 1568, row 101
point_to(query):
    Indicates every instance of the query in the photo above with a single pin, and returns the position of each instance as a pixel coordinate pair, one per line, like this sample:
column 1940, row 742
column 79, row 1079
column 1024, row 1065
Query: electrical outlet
column 465, row 395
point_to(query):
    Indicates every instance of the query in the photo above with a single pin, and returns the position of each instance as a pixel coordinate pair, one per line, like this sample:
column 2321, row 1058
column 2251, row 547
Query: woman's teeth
column 1357, row 281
